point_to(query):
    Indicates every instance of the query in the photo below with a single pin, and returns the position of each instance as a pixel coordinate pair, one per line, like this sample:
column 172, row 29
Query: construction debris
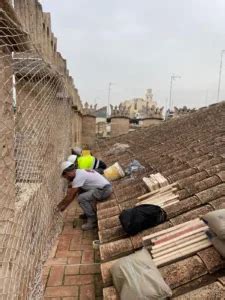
column 177, row 242
column 118, row 149
column 134, row 166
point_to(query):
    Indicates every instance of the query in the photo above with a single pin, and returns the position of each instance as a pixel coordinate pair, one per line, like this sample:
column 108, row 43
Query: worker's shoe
column 91, row 224
column 83, row 217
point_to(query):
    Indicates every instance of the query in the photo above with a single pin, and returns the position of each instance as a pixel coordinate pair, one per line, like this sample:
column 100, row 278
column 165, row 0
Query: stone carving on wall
column 152, row 111
column 183, row 111
column 120, row 111
column 89, row 109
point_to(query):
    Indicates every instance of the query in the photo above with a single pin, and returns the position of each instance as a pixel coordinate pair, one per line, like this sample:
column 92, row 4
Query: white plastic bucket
column 114, row 172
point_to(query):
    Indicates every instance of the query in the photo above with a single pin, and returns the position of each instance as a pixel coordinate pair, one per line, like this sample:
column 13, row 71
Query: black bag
column 102, row 165
column 141, row 217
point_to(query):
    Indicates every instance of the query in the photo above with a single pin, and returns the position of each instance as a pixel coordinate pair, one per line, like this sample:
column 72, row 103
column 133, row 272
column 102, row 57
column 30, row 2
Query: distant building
column 139, row 107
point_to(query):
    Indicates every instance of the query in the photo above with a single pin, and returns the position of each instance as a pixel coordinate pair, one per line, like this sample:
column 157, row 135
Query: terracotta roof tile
column 212, row 193
column 183, row 271
column 197, row 283
column 115, row 249
column 182, row 206
column 222, row 280
column 212, row 291
column 218, row 203
column 212, row 259
column 106, row 204
column 191, row 179
column 109, row 223
column 215, row 169
column 105, row 271
column 190, row 151
column 108, row 212
column 110, row 293
column 111, row 234
column 191, row 215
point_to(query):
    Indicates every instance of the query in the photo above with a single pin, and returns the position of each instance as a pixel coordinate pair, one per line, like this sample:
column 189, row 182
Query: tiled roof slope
column 190, row 151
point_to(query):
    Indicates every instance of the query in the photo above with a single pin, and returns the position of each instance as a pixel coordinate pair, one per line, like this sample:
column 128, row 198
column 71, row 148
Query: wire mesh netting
column 35, row 136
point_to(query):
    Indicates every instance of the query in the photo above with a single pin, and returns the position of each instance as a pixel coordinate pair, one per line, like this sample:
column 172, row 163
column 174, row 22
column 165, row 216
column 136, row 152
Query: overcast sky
column 138, row 44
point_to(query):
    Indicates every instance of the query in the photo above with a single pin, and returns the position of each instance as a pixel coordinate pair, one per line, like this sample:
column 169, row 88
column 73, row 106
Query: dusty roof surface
column 190, row 151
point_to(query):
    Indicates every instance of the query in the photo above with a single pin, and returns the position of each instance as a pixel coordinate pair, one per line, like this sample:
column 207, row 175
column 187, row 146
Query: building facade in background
column 138, row 106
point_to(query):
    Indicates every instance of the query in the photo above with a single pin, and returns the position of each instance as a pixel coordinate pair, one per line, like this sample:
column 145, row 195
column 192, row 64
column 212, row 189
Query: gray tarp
column 217, row 243
column 216, row 222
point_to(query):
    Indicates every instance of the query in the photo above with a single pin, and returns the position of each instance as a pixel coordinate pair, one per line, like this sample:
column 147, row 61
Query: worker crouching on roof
column 94, row 188
column 88, row 162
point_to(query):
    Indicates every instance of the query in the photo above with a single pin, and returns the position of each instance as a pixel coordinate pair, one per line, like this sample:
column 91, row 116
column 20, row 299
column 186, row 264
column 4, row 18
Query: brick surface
column 72, row 273
column 56, row 276
column 64, row 242
column 65, row 253
column 87, row 241
column 46, row 270
column 81, row 247
column 76, row 241
column 74, row 260
column 68, row 229
column 78, row 279
column 87, row 257
column 61, row 291
column 87, row 292
column 72, row 270
column 90, row 269
column 56, row 261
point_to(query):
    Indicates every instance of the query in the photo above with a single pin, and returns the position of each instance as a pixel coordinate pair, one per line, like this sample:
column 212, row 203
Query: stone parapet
column 119, row 125
column 150, row 121
column 88, row 130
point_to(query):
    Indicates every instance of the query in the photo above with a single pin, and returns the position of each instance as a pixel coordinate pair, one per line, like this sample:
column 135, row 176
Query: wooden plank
column 160, row 195
column 176, row 246
column 178, row 232
column 171, row 203
column 161, row 190
column 183, row 240
column 174, row 228
column 175, row 239
column 168, row 259
column 158, row 200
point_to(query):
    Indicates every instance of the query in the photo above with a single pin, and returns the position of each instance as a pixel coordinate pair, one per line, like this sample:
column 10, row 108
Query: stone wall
column 38, row 126
column 7, row 166
column 119, row 125
column 88, row 130
column 150, row 122
column 77, row 128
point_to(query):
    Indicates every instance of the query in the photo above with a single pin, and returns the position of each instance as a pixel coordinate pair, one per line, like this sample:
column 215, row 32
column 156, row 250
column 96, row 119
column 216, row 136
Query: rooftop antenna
column 220, row 74
column 172, row 78
column 109, row 94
